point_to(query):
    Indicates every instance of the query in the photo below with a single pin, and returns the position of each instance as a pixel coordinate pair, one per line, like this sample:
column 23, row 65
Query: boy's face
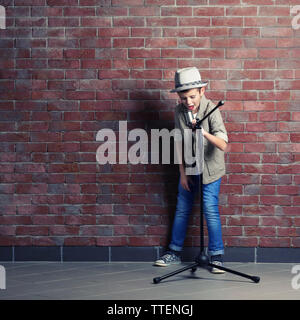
column 191, row 98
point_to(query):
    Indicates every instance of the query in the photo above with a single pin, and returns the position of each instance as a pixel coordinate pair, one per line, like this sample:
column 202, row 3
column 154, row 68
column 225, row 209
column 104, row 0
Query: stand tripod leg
column 194, row 266
column 253, row 278
column 191, row 266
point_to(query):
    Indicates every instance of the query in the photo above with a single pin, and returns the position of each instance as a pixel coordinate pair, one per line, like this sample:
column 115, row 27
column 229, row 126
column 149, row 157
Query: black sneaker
column 167, row 259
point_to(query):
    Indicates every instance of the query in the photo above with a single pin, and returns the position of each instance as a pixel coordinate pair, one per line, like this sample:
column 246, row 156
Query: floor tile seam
column 67, row 270
column 63, row 279
column 47, row 272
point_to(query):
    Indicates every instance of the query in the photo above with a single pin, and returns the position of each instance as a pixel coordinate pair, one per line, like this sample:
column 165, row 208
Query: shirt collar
column 202, row 109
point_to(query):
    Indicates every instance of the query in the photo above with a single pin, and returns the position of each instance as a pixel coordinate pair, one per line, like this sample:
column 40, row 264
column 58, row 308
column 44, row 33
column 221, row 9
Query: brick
column 259, row 210
column 243, row 179
column 295, row 137
column 161, row 43
column 161, row 63
column 61, row 21
column 243, row 137
column 79, row 241
column 113, row 32
column 275, row 96
column 211, row 32
column 292, row 190
column 242, row 200
column 128, row 22
column 258, row 2
column 161, row 3
column 245, row 158
column 170, row 11
column 213, row 53
column 276, row 221
column 226, row 21
column 289, row 148
column 278, row 158
column 176, row 53
column 146, row 74
column 274, row 137
column 241, row 241
column 80, row 12
column 288, row 232
column 241, row 221
column 128, row 43
column 288, row 85
column 208, row 11
column 198, row 21
column 62, row 3
column 226, row 64
column 259, row 64
column 111, row 241
column 227, row 43
column 276, row 32
column 127, row 3
column 275, row 200
column 261, row 231
column 241, row 11
column 144, row 11
column 31, row 189
column 81, row 33
column 274, row 11
column 161, row 22
column 96, row 231
column 30, row 168
column 32, row 230
column 241, row 53
column 83, row 53
column 144, row 53
column 261, row 127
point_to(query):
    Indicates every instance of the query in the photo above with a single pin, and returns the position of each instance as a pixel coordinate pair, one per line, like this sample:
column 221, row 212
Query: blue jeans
column 185, row 200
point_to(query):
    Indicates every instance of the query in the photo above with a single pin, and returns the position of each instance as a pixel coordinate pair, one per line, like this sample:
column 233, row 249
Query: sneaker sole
column 165, row 264
column 217, row 271
column 161, row 265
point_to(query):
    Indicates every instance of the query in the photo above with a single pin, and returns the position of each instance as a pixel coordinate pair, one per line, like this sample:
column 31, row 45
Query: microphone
column 190, row 116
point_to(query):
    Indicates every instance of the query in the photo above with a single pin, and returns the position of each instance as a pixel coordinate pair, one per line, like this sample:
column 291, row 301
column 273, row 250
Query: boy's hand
column 184, row 180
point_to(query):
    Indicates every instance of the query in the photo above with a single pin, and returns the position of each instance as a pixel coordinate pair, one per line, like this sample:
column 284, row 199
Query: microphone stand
column 202, row 260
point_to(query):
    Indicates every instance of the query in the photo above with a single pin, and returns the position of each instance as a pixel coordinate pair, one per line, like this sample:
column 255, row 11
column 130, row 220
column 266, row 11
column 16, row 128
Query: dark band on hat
column 190, row 84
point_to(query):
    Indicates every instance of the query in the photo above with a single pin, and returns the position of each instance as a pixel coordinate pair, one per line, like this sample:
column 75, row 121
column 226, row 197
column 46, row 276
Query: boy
column 191, row 89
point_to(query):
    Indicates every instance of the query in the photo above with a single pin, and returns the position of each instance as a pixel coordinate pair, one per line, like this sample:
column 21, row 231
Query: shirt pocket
column 215, row 163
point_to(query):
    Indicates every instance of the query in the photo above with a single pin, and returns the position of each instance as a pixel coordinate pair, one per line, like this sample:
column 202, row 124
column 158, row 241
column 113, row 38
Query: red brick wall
column 72, row 67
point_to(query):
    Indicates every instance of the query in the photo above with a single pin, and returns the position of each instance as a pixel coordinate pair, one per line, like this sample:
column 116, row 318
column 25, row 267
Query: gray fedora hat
column 188, row 78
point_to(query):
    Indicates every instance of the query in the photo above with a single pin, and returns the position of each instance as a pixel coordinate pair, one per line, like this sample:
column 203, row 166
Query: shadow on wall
column 161, row 180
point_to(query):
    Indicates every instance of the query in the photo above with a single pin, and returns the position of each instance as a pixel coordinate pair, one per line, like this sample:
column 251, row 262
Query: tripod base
column 202, row 261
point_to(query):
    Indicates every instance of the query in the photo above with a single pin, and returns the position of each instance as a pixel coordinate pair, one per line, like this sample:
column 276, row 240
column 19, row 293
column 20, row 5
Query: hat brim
column 189, row 86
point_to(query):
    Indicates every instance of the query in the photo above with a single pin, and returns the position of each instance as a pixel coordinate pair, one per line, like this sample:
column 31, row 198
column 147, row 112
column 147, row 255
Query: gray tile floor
column 133, row 281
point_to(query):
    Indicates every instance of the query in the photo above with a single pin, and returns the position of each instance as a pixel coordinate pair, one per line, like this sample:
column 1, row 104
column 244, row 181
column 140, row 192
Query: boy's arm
column 183, row 177
column 217, row 141
column 217, row 134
